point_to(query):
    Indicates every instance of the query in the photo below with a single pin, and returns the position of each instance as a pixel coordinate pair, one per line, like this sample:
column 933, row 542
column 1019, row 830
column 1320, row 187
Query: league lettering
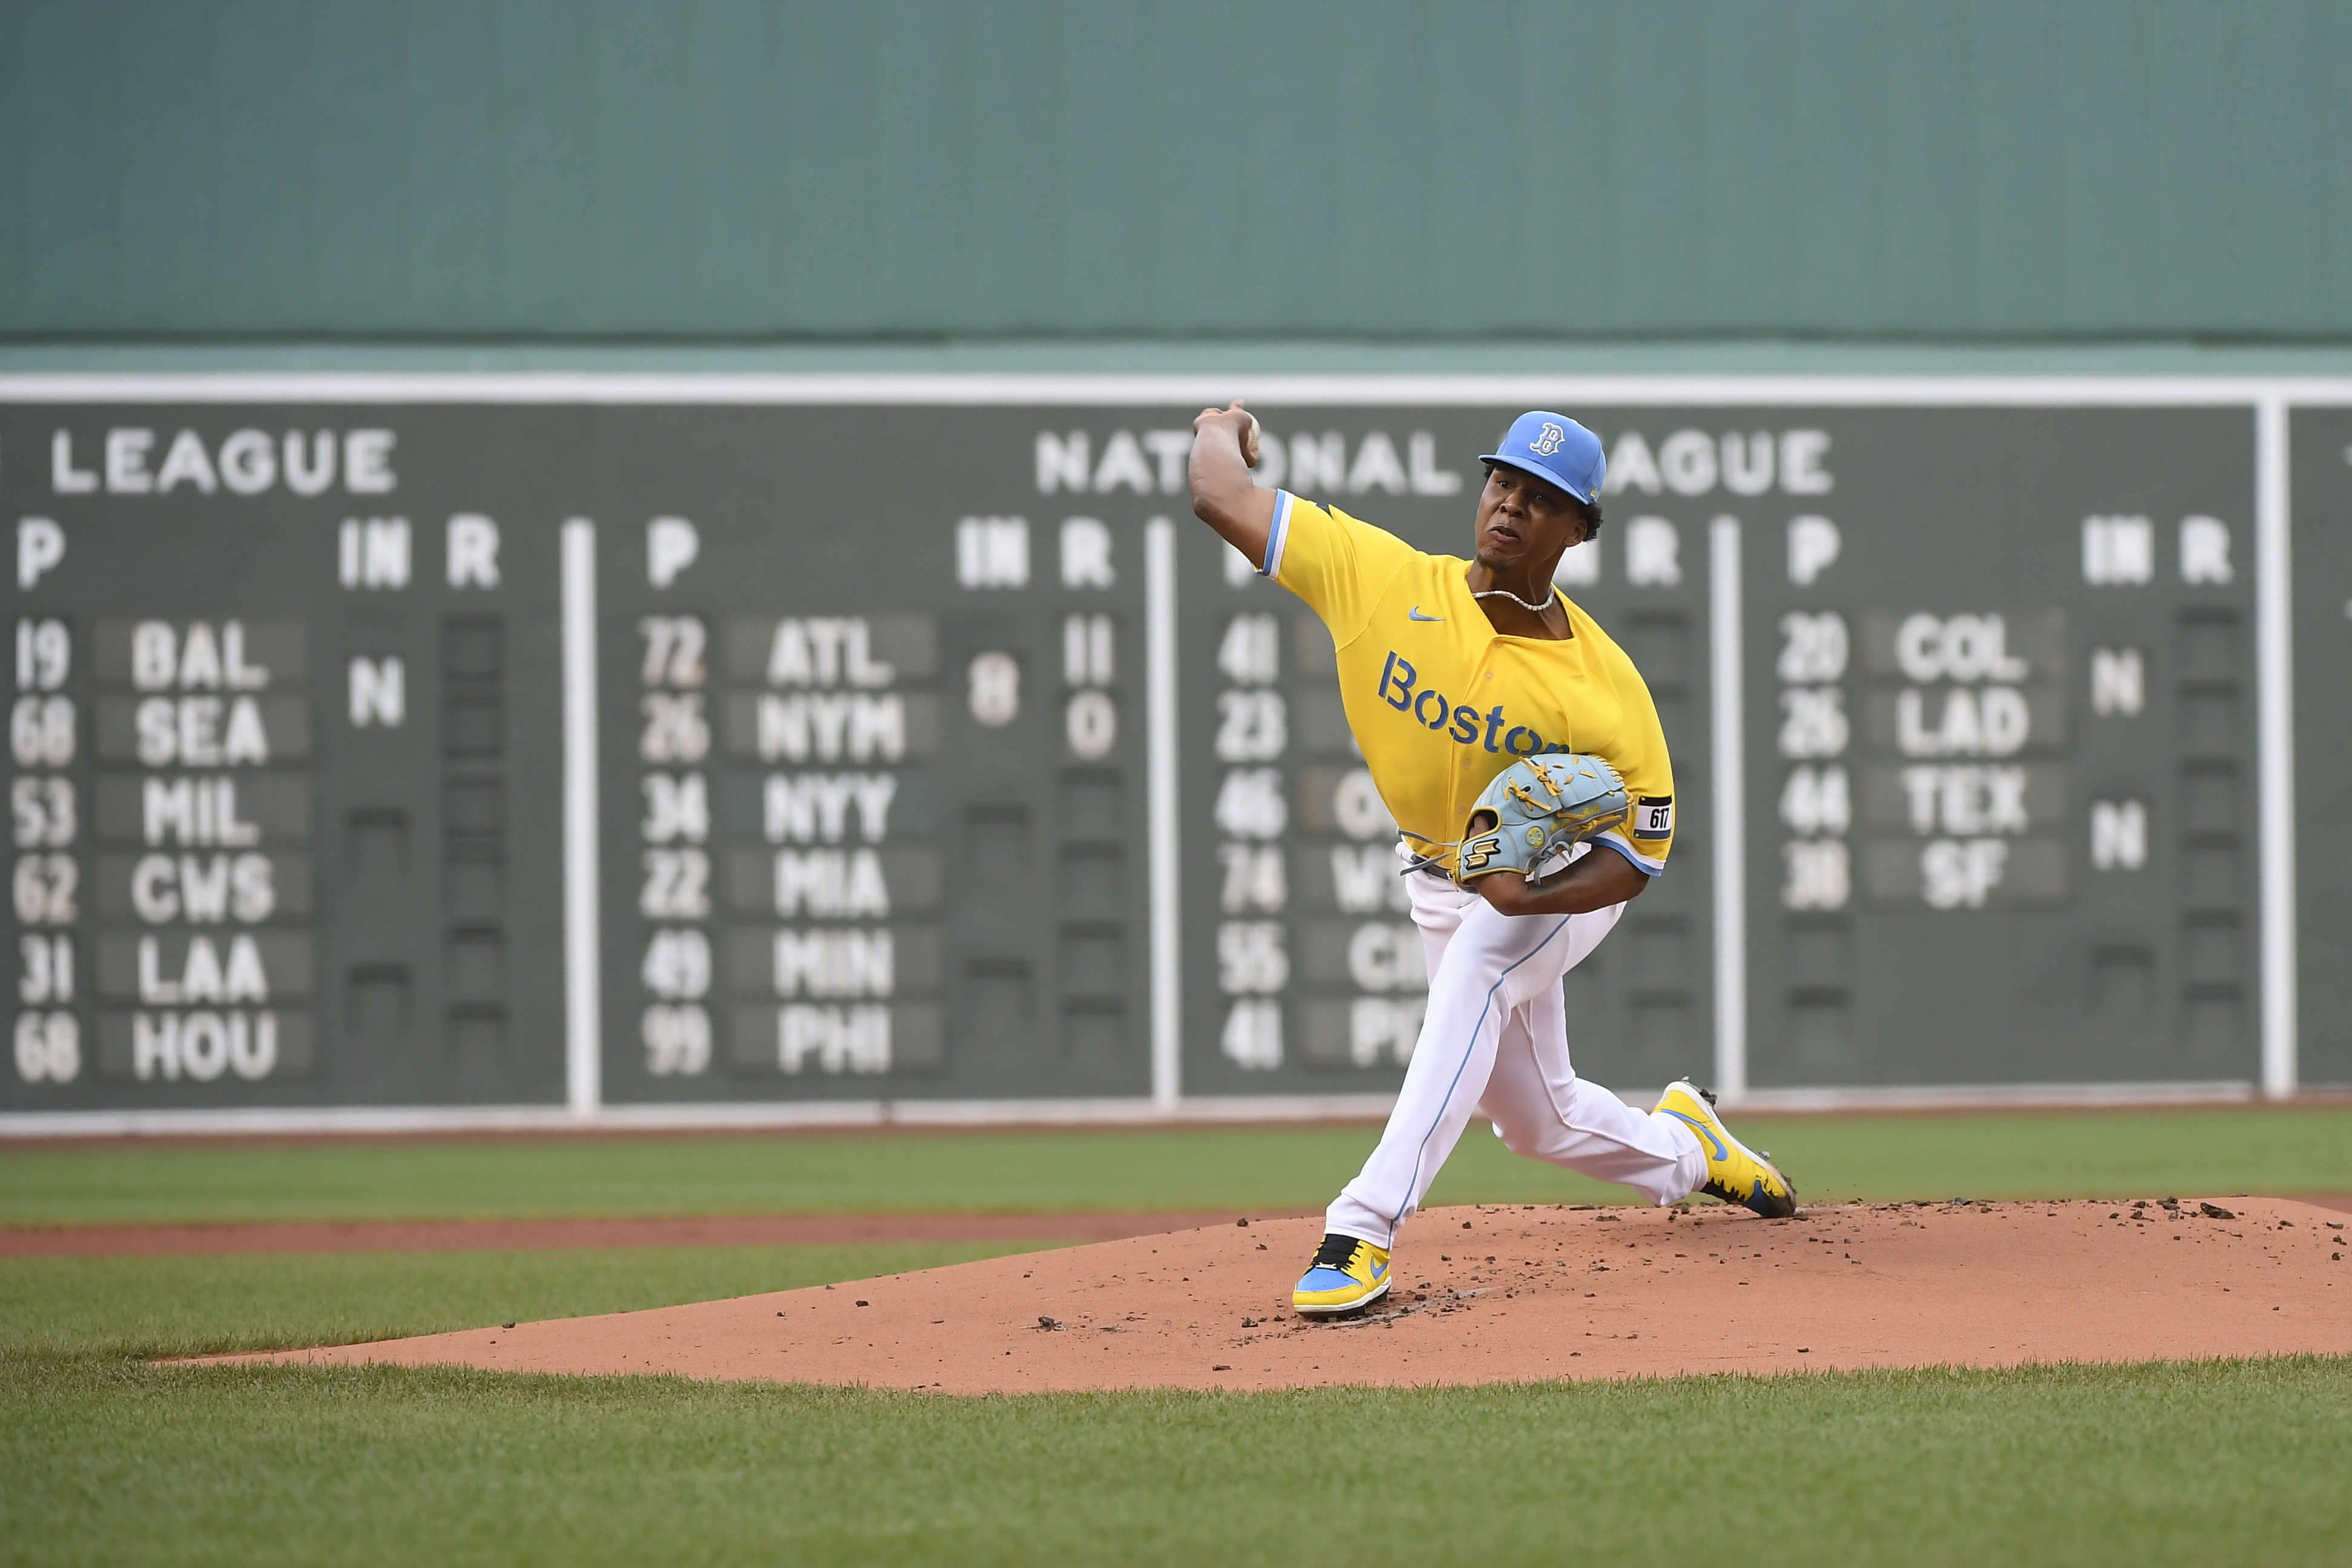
column 245, row 463
column 1306, row 463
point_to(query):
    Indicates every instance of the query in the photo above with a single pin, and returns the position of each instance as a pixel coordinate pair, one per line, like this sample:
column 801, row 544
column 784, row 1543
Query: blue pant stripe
column 1421, row 1152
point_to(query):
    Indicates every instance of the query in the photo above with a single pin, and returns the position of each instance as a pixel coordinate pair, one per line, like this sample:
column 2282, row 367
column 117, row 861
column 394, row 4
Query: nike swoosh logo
column 1379, row 1270
column 1414, row 614
column 1704, row 1131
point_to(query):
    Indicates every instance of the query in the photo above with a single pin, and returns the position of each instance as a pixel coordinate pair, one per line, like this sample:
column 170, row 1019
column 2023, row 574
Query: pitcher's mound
column 1506, row 1294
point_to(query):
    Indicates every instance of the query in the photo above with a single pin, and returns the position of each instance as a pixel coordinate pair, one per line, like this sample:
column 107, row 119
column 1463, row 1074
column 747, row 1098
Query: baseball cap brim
column 1546, row 474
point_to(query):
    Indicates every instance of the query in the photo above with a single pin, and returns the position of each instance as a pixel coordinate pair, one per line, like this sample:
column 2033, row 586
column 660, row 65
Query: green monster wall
column 545, row 170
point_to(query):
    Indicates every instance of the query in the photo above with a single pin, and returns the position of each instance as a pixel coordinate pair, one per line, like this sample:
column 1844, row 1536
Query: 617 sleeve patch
column 1654, row 817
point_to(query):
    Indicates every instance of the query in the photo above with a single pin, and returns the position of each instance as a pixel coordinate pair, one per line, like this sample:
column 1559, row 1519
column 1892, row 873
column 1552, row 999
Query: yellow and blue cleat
column 1346, row 1274
column 1735, row 1173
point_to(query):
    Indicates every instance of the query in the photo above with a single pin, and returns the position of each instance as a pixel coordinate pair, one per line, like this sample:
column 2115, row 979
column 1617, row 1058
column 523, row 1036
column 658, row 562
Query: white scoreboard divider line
column 969, row 389
column 1165, row 867
column 2275, row 720
column 583, row 1063
column 1729, row 819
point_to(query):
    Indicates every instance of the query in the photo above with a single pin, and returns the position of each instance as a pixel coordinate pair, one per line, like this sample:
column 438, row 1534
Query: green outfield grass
column 117, row 1463
column 1247, row 1170
column 109, row 1458
column 191, row 1305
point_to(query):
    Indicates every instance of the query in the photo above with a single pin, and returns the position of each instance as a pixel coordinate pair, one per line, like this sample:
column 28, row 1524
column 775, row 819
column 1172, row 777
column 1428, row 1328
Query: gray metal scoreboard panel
column 2321, row 443
column 955, row 906
column 281, row 742
column 872, row 759
column 2000, row 718
column 884, row 695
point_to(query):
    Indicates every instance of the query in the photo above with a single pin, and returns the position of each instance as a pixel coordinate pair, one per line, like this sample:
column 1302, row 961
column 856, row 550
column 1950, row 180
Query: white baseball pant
column 1493, row 1041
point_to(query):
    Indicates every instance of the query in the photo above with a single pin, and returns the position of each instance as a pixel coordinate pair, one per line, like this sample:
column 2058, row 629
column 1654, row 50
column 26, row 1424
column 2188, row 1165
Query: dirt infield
column 1502, row 1294
column 516, row 1235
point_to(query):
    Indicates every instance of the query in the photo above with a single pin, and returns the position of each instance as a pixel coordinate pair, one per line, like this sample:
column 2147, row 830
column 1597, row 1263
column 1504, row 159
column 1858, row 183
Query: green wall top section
column 565, row 169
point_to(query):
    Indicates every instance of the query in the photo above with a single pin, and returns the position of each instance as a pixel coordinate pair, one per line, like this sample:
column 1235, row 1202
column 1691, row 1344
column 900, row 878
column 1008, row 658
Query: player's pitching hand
column 1243, row 422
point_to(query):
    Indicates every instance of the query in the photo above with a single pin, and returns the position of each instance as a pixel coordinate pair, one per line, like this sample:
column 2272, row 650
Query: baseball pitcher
column 1517, row 748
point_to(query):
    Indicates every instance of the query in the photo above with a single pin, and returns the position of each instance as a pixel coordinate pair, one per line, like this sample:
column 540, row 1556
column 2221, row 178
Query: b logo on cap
column 1549, row 442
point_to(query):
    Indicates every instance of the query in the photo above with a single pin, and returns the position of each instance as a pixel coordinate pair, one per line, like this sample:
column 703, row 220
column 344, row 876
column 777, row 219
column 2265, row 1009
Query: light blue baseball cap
column 1555, row 448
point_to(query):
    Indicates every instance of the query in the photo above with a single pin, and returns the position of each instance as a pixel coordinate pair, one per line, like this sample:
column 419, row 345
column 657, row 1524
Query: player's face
column 1523, row 518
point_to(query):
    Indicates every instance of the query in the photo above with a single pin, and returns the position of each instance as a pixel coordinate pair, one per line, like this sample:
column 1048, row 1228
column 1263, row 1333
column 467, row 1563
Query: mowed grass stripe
column 1245, row 1169
column 70, row 1307
column 2130, row 1464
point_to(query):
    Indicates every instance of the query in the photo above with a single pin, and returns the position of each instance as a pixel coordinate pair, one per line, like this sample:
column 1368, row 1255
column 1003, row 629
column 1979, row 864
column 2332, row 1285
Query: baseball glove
column 1538, row 807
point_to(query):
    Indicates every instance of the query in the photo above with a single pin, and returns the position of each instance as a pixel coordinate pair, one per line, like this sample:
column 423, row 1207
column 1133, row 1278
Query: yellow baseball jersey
column 1441, row 703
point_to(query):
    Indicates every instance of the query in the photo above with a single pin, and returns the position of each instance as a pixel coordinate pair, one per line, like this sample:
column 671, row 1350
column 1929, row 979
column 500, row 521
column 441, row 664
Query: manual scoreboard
column 2000, row 709
column 274, row 759
column 901, row 750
